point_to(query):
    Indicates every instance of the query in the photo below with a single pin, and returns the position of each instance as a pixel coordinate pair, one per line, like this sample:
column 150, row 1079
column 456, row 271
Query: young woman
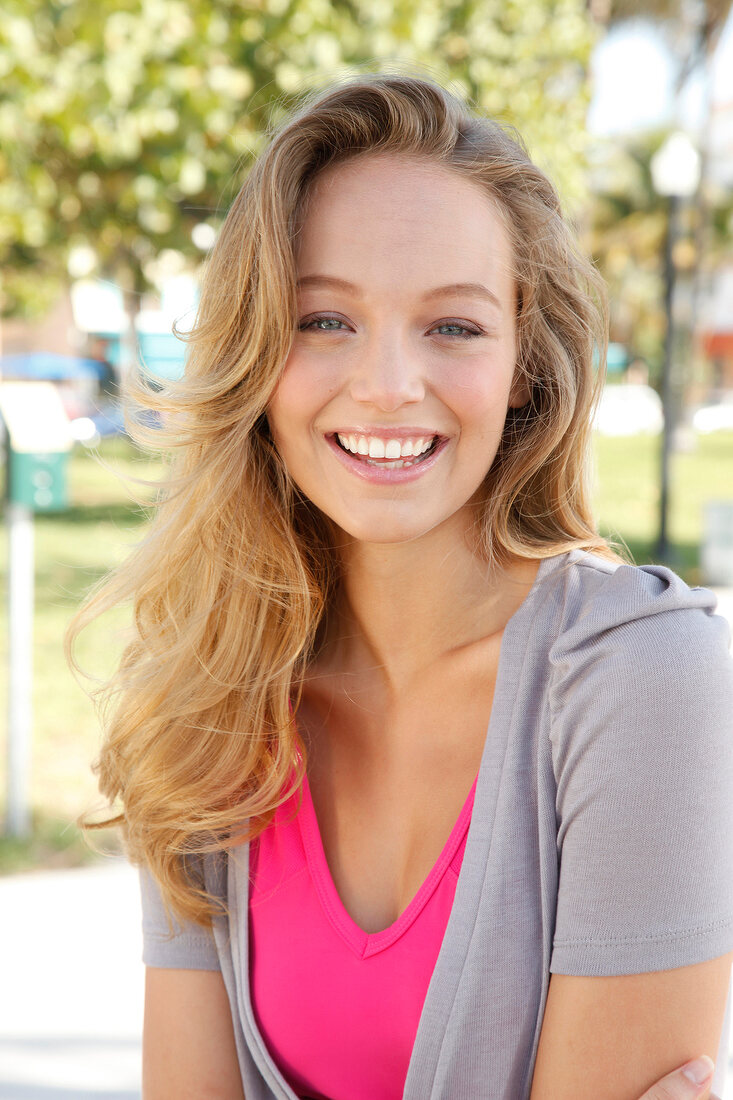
column 435, row 789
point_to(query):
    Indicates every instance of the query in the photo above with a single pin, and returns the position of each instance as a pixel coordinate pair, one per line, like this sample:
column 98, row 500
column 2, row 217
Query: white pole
column 20, row 619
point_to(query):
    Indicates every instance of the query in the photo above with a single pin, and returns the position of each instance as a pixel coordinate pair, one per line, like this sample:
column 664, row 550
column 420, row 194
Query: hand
column 679, row 1086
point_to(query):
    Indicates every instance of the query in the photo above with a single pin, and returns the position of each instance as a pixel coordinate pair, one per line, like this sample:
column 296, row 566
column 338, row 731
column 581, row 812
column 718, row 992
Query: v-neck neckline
column 364, row 944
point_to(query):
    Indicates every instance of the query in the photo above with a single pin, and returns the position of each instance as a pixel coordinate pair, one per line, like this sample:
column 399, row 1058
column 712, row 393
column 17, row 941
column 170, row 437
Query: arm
column 643, row 756
column 611, row 1038
column 188, row 1039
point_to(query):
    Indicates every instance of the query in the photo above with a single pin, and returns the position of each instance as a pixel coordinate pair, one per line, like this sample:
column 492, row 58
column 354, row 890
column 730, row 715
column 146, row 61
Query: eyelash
column 467, row 334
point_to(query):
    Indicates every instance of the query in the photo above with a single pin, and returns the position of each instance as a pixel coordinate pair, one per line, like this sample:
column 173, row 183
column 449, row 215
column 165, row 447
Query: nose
column 388, row 375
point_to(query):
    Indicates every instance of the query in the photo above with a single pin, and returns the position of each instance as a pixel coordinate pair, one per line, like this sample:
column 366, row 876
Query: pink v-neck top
column 339, row 1007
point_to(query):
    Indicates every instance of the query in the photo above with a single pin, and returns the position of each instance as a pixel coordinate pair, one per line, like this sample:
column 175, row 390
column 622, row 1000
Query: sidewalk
column 72, row 981
column 72, row 985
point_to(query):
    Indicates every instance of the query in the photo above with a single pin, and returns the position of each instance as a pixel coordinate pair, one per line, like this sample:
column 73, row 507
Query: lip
column 389, row 433
column 378, row 475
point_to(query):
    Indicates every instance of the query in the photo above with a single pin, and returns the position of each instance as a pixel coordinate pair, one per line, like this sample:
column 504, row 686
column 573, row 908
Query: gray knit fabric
column 601, row 840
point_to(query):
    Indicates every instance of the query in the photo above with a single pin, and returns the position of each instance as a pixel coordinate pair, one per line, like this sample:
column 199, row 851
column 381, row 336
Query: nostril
column 388, row 390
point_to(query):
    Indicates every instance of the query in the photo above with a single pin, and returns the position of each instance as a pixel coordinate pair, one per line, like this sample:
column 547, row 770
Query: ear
column 519, row 394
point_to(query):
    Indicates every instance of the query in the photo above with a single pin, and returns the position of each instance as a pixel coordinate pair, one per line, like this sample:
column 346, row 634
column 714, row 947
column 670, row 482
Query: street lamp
column 675, row 171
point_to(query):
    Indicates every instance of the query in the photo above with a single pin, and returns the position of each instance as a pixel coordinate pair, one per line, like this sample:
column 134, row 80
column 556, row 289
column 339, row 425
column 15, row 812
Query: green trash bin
column 38, row 440
column 38, row 479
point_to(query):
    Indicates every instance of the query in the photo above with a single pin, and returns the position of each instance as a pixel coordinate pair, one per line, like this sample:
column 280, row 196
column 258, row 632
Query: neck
column 404, row 606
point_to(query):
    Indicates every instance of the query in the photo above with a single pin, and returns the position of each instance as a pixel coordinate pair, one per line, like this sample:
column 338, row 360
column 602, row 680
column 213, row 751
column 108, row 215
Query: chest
column 495, row 955
column 389, row 787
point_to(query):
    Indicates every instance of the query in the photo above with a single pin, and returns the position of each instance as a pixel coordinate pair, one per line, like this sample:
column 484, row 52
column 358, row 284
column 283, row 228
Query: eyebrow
column 474, row 290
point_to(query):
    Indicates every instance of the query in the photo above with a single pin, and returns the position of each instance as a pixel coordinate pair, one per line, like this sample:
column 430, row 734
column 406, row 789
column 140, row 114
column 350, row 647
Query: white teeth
column 391, row 449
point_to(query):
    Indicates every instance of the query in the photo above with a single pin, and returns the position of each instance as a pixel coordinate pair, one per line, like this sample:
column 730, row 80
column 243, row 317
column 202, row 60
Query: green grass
column 54, row 843
column 76, row 547
column 73, row 549
column 627, row 495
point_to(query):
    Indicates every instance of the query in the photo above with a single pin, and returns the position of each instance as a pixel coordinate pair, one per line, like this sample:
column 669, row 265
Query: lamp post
column 675, row 174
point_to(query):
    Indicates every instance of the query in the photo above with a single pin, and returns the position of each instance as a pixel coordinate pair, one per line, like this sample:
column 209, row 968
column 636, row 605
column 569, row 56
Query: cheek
column 479, row 393
column 304, row 388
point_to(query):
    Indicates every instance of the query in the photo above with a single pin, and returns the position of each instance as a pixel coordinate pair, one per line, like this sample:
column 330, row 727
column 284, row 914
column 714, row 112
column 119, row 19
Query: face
column 392, row 401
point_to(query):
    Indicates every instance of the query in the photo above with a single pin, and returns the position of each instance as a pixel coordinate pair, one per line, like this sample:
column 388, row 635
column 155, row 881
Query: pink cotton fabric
column 339, row 1008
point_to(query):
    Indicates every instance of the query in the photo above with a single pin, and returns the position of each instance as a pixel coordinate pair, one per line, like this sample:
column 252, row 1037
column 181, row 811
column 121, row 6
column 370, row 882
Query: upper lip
column 400, row 434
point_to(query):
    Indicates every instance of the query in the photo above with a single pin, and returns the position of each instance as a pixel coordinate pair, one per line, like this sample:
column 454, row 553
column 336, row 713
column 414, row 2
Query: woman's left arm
column 612, row 1038
column 642, row 747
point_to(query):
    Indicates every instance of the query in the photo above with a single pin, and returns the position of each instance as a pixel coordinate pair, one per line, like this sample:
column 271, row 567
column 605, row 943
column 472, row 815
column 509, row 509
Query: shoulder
column 639, row 616
column 634, row 648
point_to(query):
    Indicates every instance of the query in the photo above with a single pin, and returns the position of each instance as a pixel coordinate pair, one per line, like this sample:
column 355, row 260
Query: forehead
column 405, row 211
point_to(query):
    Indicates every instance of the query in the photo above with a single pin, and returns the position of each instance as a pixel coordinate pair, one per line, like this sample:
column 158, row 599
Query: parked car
column 97, row 423
column 629, row 409
column 714, row 418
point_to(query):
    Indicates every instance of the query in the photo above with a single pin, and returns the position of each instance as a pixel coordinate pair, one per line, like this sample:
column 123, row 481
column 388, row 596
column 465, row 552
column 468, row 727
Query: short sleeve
column 642, row 747
column 188, row 946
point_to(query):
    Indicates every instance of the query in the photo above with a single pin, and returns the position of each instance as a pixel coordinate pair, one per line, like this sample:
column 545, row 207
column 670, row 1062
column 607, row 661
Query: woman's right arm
column 189, row 1049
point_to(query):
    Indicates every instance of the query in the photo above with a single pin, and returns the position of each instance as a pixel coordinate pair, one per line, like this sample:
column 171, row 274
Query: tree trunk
column 129, row 355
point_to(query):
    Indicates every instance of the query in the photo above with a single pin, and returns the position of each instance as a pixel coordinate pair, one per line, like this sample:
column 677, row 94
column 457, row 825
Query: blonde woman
column 431, row 791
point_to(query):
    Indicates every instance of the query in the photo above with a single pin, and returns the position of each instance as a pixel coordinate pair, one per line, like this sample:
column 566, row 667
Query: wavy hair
column 236, row 570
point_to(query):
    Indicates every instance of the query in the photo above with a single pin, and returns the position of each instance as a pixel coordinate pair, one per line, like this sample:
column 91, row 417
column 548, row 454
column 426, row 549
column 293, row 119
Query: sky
column 633, row 76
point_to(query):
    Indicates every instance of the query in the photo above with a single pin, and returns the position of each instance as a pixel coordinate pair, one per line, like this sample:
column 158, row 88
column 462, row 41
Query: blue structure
column 47, row 366
column 161, row 353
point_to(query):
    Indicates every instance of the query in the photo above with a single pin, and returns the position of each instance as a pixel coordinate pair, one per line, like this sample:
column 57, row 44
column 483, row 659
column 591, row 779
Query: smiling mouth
column 387, row 460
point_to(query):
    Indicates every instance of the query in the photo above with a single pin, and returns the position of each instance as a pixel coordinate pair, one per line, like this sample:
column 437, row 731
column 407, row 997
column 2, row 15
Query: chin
column 389, row 533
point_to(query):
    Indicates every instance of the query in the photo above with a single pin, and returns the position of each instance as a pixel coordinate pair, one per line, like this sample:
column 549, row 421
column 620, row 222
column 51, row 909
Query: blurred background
column 126, row 130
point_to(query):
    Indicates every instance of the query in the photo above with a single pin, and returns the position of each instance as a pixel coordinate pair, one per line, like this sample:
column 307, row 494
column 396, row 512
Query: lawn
column 627, row 494
column 75, row 547
column 72, row 550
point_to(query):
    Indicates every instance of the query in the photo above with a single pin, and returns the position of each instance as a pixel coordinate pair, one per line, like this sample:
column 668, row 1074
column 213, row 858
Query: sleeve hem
column 180, row 953
column 652, row 937
column 609, row 958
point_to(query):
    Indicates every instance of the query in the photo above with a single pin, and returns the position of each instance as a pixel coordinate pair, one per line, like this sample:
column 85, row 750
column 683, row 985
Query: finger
column 685, row 1083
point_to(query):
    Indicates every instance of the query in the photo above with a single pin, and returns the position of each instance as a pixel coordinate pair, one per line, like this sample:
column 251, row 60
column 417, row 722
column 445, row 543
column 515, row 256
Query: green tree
column 628, row 228
column 124, row 127
column 630, row 220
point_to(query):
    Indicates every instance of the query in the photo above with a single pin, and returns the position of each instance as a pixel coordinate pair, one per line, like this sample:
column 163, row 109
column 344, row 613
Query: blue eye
column 461, row 331
column 320, row 324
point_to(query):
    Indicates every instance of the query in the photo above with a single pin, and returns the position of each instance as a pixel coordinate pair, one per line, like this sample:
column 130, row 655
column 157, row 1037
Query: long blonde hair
column 236, row 571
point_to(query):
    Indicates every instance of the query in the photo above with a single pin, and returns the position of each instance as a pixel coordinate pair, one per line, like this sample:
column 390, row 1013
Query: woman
column 376, row 543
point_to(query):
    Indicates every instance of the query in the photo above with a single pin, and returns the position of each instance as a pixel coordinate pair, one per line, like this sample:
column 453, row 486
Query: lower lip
column 380, row 475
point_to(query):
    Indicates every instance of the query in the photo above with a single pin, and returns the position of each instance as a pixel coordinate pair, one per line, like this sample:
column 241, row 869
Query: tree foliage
column 124, row 126
column 629, row 219
column 628, row 228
